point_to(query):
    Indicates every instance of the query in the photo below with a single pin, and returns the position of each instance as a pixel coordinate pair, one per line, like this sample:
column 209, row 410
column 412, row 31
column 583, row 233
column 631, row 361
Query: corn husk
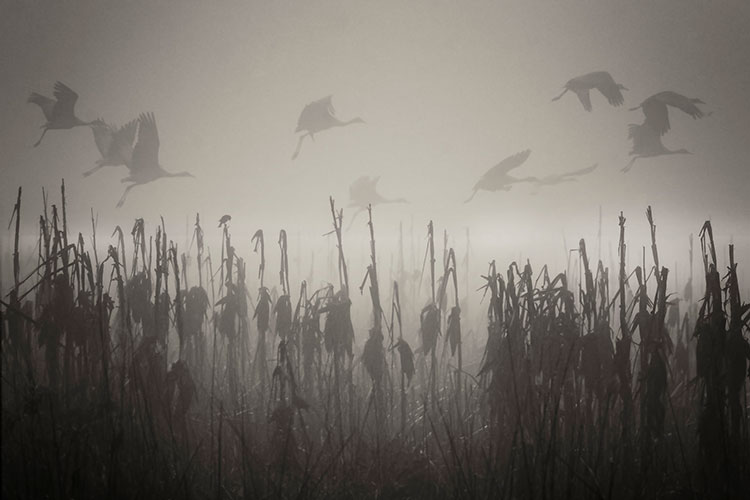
column 429, row 327
column 407, row 359
column 454, row 329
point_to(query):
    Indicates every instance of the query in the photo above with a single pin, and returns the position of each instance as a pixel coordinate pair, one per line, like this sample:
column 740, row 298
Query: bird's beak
column 625, row 88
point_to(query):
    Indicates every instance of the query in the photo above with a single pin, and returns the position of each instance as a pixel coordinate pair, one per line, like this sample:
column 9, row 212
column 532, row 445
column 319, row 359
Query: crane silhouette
column 144, row 166
column 60, row 111
column 363, row 192
column 599, row 80
column 656, row 111
column 555, row 179
column 316, row 117
column 115, row 145
column 497, row 178
column 647, row 144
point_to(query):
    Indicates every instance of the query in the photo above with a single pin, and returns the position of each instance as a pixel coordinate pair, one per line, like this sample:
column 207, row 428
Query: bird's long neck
column 394, row 200
column 177, row 174
column 675, row 152
column 339, row 123
column 526, row 179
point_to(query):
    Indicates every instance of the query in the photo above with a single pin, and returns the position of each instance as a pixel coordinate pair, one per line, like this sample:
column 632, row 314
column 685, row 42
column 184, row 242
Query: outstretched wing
column 125, row 135
column 305, row 116
column 47, row 104
column 498, row 175
column 679, row 101
column 657, row 116
column 146, row 149
column 511, row 162
column 362, row 191
column 584, row 97
column 609, row 89
column 103, row 136
column 645, row 139
column 314, row 112
column 123, row 140
column 589, row 80
column 66, row 99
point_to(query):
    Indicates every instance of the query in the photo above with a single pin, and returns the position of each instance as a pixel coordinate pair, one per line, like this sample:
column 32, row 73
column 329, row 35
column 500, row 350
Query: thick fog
column 446, row 90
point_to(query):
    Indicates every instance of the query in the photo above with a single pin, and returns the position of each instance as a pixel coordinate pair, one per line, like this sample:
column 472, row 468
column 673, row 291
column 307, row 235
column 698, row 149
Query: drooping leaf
column 454, row 328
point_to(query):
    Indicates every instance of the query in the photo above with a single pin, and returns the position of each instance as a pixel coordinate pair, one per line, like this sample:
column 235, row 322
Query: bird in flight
column 59, row 111
column 554, row 179
column 114, row 144
column 316, row 117
column 364, row 192
column 599, row 80
column 656, row 111
column 497, row 178
column 144, row 166
column 647, row 144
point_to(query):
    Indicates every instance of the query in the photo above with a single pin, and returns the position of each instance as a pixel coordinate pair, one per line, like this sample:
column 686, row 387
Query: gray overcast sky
column 447, row 89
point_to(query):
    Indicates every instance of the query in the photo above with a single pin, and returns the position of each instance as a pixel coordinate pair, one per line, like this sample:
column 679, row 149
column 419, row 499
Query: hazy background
column 447, row 90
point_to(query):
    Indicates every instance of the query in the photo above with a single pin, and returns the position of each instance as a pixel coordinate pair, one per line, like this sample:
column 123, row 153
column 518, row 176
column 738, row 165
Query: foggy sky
column 447, row 89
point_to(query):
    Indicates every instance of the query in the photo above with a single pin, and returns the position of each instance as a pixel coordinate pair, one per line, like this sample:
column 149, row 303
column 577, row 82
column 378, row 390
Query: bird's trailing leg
column 351, row 222
column 42, row 136
column 472, row 196
column 299, row 145
column 99, row 165
column 124, row 195
column 562, row 94
column 630, row 164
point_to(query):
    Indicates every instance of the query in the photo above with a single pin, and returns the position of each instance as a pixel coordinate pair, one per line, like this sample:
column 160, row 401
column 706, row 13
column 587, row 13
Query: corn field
column 152, row 371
